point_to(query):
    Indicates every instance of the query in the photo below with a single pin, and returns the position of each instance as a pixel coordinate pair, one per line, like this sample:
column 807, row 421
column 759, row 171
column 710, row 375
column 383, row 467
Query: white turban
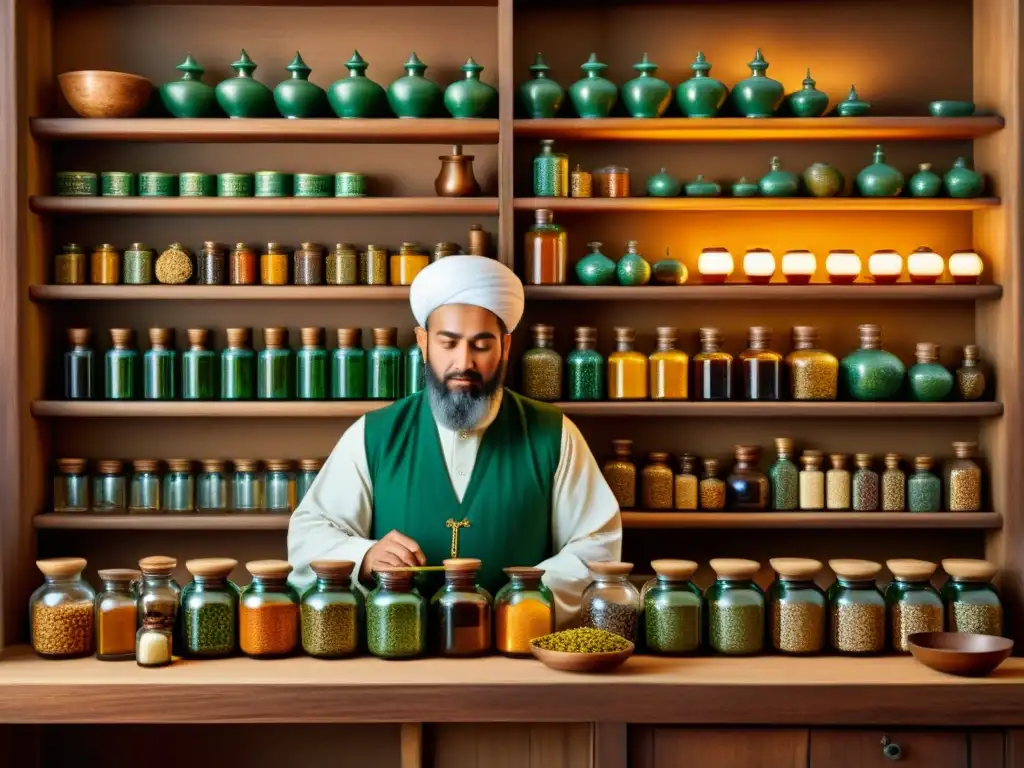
column 475, row 280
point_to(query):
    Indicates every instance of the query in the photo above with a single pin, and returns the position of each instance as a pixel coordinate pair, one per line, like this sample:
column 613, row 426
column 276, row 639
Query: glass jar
column 198, row 368
column 542, row 366
column 247, row 486
column 105, row 265
column 343, row 265
column 963, row 479
column 443, row 249
column 407, row 263
column 109, row 487
column 179, row 493
column 784, row 477
column 924, row 489
column 970, row 379
column 812, row 482
column 894, row 481
column 712, row 489
column 837, row 484
column 308, row 265
column 620, row 474
column 746, row 486
column 237, row 367
column 242, row 265
column 798, row 606
column 414, row 374
column 712, row 368
column 870, row 373
column 761, row 368
column 308, row 471
column 396, row 617
column 274, row 265
column 71, row 486
column 929, row 380
column 547, row 251
column 276, row 371
column 373, row 265
column 311, row 366
column 972, row 603
column 154, row 643
column 280, row 486
column 209, row 609
column 524, row 609
column 61, row 610
column 78, row 365
column 144, row 492
column 462, row 610
column 611, row 602
column 627, row 368
column 735, row 608
column 121, row 381
column 210, row 264
column 585, row 367
column 331, row 614
column 384, row 366
column 550, row 172
column 268, row 611
column 158, row 594
column 69, row 266
column 657, row 482
column 813, row 373
column 673, row 609
column 159, row 377
column 612, row 181
column 914, row 604
column 686, row 483
column 865, row 484
column 348, row 366
column 212, row 487
column 669, row 368
column 116, row 615
column 857, row 608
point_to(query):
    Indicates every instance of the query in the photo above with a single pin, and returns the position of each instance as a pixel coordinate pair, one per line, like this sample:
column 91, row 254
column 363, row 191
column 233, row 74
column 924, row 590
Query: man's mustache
column 473, row 376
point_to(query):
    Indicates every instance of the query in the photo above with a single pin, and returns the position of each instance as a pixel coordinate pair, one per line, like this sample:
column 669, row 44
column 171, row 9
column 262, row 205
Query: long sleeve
column 585, row 523
column 334, row 519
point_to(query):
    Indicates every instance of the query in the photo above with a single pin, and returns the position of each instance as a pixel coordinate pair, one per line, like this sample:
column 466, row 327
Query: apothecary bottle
column 158, row 594
column 396, row 617
column 864, row 484
column 144, row 491
column 461, row 611
column 384, row 366
column 963, row 479
column 736, row 622
column 159, row 369
column 122, row 367
column 212, row 487
column 870, row 373
column 611, row 602
column 585, row 367
column 627, row 368
column 179, row 493
column 657, row 482
column 712, row 489
column 210, row 264
column 670, row 368
column 276, row 369
column 268, row 611
column 914, row 604
column 78, row 365
column 524, row 609
column 812, row 482
column 746, row 486
column 550, row 172
column 247, row 486
column 348, row 366
column 280, row 486
column 407, row 263
column 154, row 643
column 61, row 610
column 198, row 367
column 242, row 268
column 970, row 379
column 306, row 476
column 929, row 379
column 620, row 474
column 838, row 484
column 237, row 367
column 813, row 373
column 69, row 266
column 308, row 264
column 105, row 265
column 857, row 609
column 673, row 609
column 784, row 477
column 972, row 604
column 274, row 265
column 414, row 374
column 760, row 367
column 799, row 608
column 109, row 486
column 311, row 366
column 712, row 368
column 209, row 609
column 71, row 486
column 687, row 485
column 924, row 489
column 343, row 265
column 116, row 615
column 542, row 366
column 894, row 485
column 330, row 612
column 547, row 251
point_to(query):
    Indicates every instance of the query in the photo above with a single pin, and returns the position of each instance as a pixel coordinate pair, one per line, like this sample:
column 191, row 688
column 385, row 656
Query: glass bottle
column 311, row 366
column 210, row 264
column 461, row 611
column 242, row 265
column 158, row 594
column 686, row 483
column 894, row 483
column 627, row 368
column 542, row 366
column 109, row 487
column 524, row 609
column 348, row 366
column 970, row 379
column 330, row 612
column 761, row 369
column 69, row 266
column 838, row 484
column 914, row 604
column 71, row 486
column 870, row 373
column 237, row 367
column 857, row 610
column 963, row 479
column 611, row 602
column 673, row 609
column 669, row 368
column 972, row 603
column 929, row 379
column 158, row 366
column 198, row 367
column 268, row 611
column 414, row 374
column 384, row 366
column 116, row 615
column 308, row 471
column 275, row 377
column 797, row 619
column 212, row 487
column 144, row 492
column 61, row 610
column 78, row 365
column 784, row 477
column 547, row 251
column 865, row 484
column 274, row 265
column 550, row 172
column 122, row 367
column 247, row 486
column 209, row 609
column 656, row 482
column 154, row 643
column 813, row 373
column 620, row 474
column 812, row 482
column 712, row 489
column 735, row 608
column 308, row 264
column 585, row 367
column 343, row 265
column 712, row 368
column 924, row 489
column 396, row 617
column 280, row 486
column 746, row 486
column 407, row 263
column 179, row 486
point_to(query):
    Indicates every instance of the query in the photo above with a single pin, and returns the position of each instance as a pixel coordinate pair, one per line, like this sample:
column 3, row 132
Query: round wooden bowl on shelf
column 582, row 662
column 960, row 653
column 103, row 93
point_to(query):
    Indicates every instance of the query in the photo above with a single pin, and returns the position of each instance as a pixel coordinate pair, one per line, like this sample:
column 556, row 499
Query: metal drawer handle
column 891, row 750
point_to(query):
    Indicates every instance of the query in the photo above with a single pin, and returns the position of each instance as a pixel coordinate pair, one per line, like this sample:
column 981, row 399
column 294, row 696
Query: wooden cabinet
column 732, row 747
column 881, row 748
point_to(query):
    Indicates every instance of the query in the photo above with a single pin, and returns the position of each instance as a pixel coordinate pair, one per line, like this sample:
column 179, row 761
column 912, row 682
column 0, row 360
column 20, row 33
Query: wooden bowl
column 100, row 93
column 582, row 662
column 960, row 653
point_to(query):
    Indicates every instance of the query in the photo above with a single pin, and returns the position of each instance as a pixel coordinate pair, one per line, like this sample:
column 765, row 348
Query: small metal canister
column 234, row 185
column 347, row 184
column 308, row 265
column 612, row 181
column 373, row 265
column 313, row 185
column 445, row 249
column 117, row 184
column 582, row 184
column 137, row 264
column 191, row 184
column 105, row 265
column 158, row 184
column 210, row 264
column 273, row 184
column 77, row 184
column 343, row 265
column 479, row 241
column 69, row 265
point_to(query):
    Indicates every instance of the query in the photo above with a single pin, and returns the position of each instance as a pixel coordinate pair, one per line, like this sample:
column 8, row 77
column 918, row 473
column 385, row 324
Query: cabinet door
column 909, row 749
column 730, row 748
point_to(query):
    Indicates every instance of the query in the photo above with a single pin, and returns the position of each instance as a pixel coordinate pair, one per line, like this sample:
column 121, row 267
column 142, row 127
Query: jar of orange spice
column 268, row 613
column 523, row 611
column 117, row 615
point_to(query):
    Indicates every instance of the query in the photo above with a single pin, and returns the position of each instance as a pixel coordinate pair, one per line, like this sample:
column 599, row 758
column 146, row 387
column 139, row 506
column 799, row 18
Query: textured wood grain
column 863, row 749
column 258, row 206
column 684, row 747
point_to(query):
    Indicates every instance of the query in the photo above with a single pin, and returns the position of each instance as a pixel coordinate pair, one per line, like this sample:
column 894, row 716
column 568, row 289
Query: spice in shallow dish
column 582, row 640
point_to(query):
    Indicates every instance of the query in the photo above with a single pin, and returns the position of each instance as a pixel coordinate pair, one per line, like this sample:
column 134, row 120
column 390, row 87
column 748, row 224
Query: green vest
column 507, row 501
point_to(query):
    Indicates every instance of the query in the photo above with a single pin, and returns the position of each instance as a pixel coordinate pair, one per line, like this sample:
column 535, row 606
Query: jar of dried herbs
column 373, row 265
column 117, row 615
column 970, row 379
column 924, row 489
column 280, row 486
column 657, row 482
column 247, row 486
column 109, row 486
column 914, row 604
column 210, row 264
column 784, row 477
column 179, row 493
column 542, row 366
column 209, row 609
column 61, row 610
column 837, row 483
column 276, row 374
column 963, row 479
column 159, row 366
column 274, row 265
column 462, row 610
column 865, row 484
column 585, row 367
column 121, row 381
column 105, row 265
column 78, row 365
column 268, row 612
column 308, row 266
column 71, row 486
column 620, row 474
column 893, row 485
column 311, row 366
column 972, row 603
column 798, row 606
column 308, row 471
column 237, row 367
column 524, row 609
column 212, row 487
column 242, row 269
column 686, row 483
column 69, row 265
column 343, row 265
column 348, row 366
column 384, row 366
column 673, row 609
column 857, row 610
column 137, row 264
column 735, row 608
column 331, row 612
column 611, row 602
column 712, row 488
column 144, row 491
column 812, row 482
column 396, row 617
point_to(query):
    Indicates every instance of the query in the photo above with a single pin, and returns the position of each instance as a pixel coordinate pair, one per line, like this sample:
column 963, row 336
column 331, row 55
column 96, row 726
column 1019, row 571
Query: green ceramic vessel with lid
column 272, row 184
column 158, row 184
column 808, row 101
column 356, row 95
column 662, row 184
column 757, row 95
column 192, row 184
column 593, row 96
column 669, row 271
column 879, row 179
column 189, row 96
column 852, row 105
column 234, row 185
column 951, row 108
column 413, row 95
column 925, row 183
column 745, row 188
column 962, row 181
column 117, row 184
column 633, row 268
column 76, row 184
column 541, row 96
column 471, row 97
column 646, row 95
column 779, row 183
column 243, row 95
column 701, row 187
column 701, row 95
column 296, row 97
column 595, row 268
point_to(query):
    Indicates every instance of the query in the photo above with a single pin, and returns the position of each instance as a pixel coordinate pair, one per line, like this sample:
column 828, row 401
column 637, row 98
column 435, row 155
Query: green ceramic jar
column 313, row 185
column 595, row 268
column 962, row 181
column 296, row 97
column 348, row 184
column 646, row 95
column 870, row 373
column 777, row 182
column 662, row 184
column 745, row 188
column 822, row 180
column 950, row 108
column 632, row 268
column 117, row 184
column 758, row 95
column 356, row 95
column 272, row 184
column 701, row 95
column 593, row 96
column 670, row 271
column 413, row 95
column 234, row 185
column 243, row 95
column 701, row 187
column 925, row 183
column 541, row 96
column 852, row 105
column 189, row 96
column 809, row 101
column 880, row 179
column 76, row 184
column 191, row 184
column 929, row 379
column 158, row 184
column 470, row 97
column 550, row 171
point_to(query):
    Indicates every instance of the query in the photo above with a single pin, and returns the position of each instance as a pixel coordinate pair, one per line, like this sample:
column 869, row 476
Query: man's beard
column 462, row 409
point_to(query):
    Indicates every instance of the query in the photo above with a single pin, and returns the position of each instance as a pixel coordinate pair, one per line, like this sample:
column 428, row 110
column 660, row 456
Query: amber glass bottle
column 627, row 369
column 656, row 482
column 712, row 489
column 761, row 369
column 669, row 368
column 747, row 485
column 547, row 251
column 813, row 373
column 712, row 368
column 620, row 473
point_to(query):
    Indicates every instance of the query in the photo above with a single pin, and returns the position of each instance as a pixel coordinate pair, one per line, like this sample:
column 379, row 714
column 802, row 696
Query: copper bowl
column 582, row 662
column 101, row 93
column 960, row 653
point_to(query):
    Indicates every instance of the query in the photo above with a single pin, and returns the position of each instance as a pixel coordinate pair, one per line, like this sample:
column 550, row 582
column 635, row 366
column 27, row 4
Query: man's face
column 465, row 348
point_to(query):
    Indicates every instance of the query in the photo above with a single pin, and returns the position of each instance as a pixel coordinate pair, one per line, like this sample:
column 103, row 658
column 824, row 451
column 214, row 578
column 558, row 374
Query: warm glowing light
column 715, row 265
column 799, row 266
column 886, row 267
column 842, row 266
column 759, row 265
column 965, row 266
column 924, row 265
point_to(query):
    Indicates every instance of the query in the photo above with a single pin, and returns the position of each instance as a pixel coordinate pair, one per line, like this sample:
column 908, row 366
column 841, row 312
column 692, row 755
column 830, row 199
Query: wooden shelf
column 746, row 204
column 161, row 521
column 832, row 520
column 181, row 409
column 743, row 291
column 265, row 131
column 218, row 292
column 261, row 206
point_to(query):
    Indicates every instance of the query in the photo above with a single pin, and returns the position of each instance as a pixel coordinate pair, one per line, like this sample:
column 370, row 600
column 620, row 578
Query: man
column 466, row 466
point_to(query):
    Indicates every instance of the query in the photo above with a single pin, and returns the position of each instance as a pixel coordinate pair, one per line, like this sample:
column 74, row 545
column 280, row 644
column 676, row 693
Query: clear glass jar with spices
column 712, row 488
column 174, row 266
column 970, row 378
column 547, row 251
column 963, row 479
column 274, row 265
column 542, row 366
column 414, row 374
column 348, row 366
column 585, row 367
column 761, row 367
column 121, row 379
column 343, row 265
column 813, row 372
column 69, row 265
column 212, row 487
column 373, row 265
column 144, row 491
column 109, row 486
column 670, row 368
column 308, row 264
column 686, row 483
column 673, row 608
column 105, row 265
column 972, row 604
column 812, row 482
column 524, row 609
column 275, row 377
column 268, row 612
column 620, row 474
column 396, row 617
column 159, row 595
column 837, row 483
column 611, row 602
column 308, row 471
column 627, row 368
column 747, row 487
column 331, row 613
column 914, row 604
column 247, row 486
column 894, row 483
column 280, row 486
column 198, row 367
column 137, row 265
column 736, row 623
column 159, row 366
column 407, row 263
column 117, row 615
column 311, row 366
column 237, row 367
column 611, row 181
column 78, row 365
column 924, row 489
column 209, row 609
column 154, row 643
column 797, row 619
column 462, row 610
column 784, row 477
column 210, row 264
column 657, row 482
column 857, row 610
column 71, row 486
column 242, row 265
column 179, row 486
column 61, row 610
column 865, row 484
column 384, row 366
column 712, row 368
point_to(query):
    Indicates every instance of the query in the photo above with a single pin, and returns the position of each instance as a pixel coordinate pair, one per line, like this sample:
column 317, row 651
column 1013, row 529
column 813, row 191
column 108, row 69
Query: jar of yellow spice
column 524, row 610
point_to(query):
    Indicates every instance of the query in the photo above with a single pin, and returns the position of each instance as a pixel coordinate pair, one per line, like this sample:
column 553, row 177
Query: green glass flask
column 122, row 364
column 348, row 366
column 870, row 373
column 924, row 489
column 275, row 369
column 384, row 366
column 929, row 379
column 198, row 368
column 158, row 366
column 311, row 366
column 237, row 367
column 784, row 477
column 585, row 366
column 415, row 375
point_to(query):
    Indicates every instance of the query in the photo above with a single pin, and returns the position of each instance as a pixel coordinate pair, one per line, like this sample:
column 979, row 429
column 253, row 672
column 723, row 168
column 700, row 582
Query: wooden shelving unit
column 752, row 204
column 260, row 206
column 218, row 293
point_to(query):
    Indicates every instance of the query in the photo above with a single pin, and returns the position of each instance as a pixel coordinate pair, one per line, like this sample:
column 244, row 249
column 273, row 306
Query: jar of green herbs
column 331, row 612
column 673, row 609
column 276, row 369
column 209, row 609
column 396, row 617
column 348, row 366
column 736, row 625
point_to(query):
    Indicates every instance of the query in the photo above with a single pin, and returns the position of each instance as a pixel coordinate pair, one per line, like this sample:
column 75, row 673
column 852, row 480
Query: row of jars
column 193, row 184
column 671, row 615
column 349, row 372
column 273, row 485
column 758, row 373
column 785, row 488
column 212, row 618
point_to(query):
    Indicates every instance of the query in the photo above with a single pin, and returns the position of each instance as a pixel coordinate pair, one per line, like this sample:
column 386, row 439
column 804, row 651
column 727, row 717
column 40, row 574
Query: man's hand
column 394, row 549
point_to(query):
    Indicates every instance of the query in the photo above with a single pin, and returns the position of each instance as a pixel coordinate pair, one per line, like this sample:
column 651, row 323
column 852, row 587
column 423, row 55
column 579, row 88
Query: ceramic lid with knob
column 795, row 568
column 911, row 570
column 674, row 570
column 965, row 569
column 610, row 569
column 855, row 570
column 340, row 570
column 734, row 568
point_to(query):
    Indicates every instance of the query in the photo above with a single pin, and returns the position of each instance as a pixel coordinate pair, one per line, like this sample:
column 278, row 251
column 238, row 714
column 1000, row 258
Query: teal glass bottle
column 585, row 367
column 78, row 362
column 963, row 181
column 348, row 366
column 646, row 95
column 595, row 268
column 237, row 367
column 870, row 373
column 925, row 183
column 924, row 488
column 308, row 471
column 701, row 95
column 414, row 374
column 593, row 96
column 198, row 368
column 159, row 376
column 311, row 366
column 541, row 96
column 356, row 95
column 121, row 380
column 275, row 370
column 879, row 179
column 784, row 477
column 384, row 366
column 929, row 379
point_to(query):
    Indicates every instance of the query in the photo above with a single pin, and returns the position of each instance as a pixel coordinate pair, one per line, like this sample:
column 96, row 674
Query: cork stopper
column 542, row 216
column 278, row 465
column 160, row 338
column 870, row 336
column 622, row 448
column 246, row 465
column 855, row 570
column 908, row 569
column 926, row 352
column 971, row 353
column 838, row 460
column 674, row 570
column 812, row 460
column 311, row 336
column 121, row 337
column 62, row 567
column 79, row 337
column 275, row 338
column 657, row 457
column 924, row 463
column 350, row 337
column 335, row 570
column 119, row 575
column 710, row 339
column 542, row 333
column 197, row 337
column 759, row 337
column 609, row 569
column 156, row 622
column 385, row 337
column 687, row 463
column 964, row 450
column 863, row 460
column 211, row 567
column 269, row 569
column 624, row 335
column 586, row 337
column 731, row 569
column 145, row 465
column 795, row 568
column 892, row 460
column 158, row 565
column 237, row 337
column 179, row 465
column 804, row 336
column 213, row 465
column 710, row 467
column 667, row 338
column 964, row 569
column 311, row 465
column 71, row 466
column 462, row 565
column 747, row 453
column 110, row 466
column 784, row 446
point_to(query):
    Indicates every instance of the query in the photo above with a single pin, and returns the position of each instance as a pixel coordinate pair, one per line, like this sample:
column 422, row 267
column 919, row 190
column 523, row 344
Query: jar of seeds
column 924, row 490
column 894, row 483
column 61, row 610
column 673, row 609
column 174, row 266
column 914, row 604
column 242, row 265
column 812, row 482
column 69, row 266
column 837, row 483
column 687, row 485
column 210, row 264
column 209, row 609
column 343, row 265
column 797, row 621
column 712, row 489
column 972, row 603
column 268, row 611
column 963, row 479
column 656, row 482
column 865, row 484
column 735, row 608
column 396, row 617
column 784, row 477
column 309, row 264
column 856, row 608
column 813, row 372
column 620, row 474
column 611, row 602
column 970, row 379
column 331, row 612
column 542, row 366
column 373, row 265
